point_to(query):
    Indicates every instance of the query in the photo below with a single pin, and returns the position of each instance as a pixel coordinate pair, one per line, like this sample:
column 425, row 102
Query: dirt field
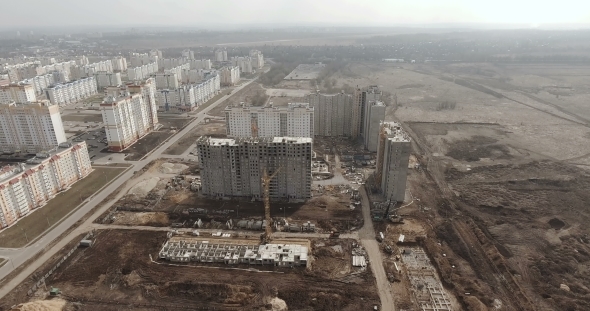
column 244, row 95
column 37, row 222
column 161, row 202
column 122, row 274
column 504, row 151
column 215, row 128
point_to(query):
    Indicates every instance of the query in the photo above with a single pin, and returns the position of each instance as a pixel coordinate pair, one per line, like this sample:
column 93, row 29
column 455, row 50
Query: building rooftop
column 206, row 140
column 395, row 132
column 9, row 171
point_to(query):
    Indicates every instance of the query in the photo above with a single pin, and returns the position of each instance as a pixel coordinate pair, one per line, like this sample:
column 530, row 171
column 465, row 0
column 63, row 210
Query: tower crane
column 266, row 198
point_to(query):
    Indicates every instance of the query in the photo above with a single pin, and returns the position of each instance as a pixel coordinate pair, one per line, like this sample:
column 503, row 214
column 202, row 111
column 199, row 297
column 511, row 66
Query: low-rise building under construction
column 281, row 255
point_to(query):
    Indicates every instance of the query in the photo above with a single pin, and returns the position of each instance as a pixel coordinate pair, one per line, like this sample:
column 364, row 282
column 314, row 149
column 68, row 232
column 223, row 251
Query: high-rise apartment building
column 139, row 59
column 229, row 75
column 142, row 72
column 393, row 157
column 26, row 187
column 71, row 92
column 375, row 114
column 30, row 127
column 296, row 120
column 257, row 59
column 40, row 83
column 119, row 63
column 18, row 93
column 188, row 54
column 220, row 55
column 127, row 118
column 147, row 89
column 333, row 114
column 234, row 167
column 245, row 63
column 362, row 97
column 105, row 78
column 190, row 96
column 166, row 80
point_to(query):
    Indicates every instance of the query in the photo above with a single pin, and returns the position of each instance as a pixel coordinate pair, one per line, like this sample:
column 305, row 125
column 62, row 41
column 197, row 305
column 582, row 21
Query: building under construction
column 282, row 255
column 235, row 167
column 393, row 156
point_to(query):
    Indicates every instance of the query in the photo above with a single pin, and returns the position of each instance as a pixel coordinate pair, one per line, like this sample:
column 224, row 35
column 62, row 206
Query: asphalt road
column 17, row 257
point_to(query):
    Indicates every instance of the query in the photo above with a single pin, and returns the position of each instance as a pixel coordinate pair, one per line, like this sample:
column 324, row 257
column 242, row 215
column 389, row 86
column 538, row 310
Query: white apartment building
column 26, row 187
column 220, row 55
column 142, row 72
column 127, row 119
column 82, row 60
column 229, row 75
column 166, row 80
column 104, row 79
column 30, row 127
column 18, row 93
column 333, row 114
column 244, row 62
column 234, row 167
column 40, row 83
column 393, row 157
column 257, row 59
column 177, row 70
column 189, row 97
column 119, row 63
column 139, row 59
column 71, row 92
column 296, row 120
column 147, row 89
column 180, row 100
column 188, row 54
column 199, row 63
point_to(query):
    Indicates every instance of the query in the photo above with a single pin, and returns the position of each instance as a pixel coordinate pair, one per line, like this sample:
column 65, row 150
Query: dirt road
column 367, row 237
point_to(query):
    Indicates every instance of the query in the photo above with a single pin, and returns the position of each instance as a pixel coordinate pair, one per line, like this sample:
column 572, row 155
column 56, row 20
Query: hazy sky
column 207, row 13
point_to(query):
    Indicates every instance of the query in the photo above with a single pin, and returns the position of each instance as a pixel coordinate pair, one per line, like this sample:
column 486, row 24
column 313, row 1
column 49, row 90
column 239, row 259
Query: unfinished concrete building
column 333, row 114
column 363, row 97
column 296, row 120
column 189, row 250
column 393, row 156
column 234, row 167
column 375, row 114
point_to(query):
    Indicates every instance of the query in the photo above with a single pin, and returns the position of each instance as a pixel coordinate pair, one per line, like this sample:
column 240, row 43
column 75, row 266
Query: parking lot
column 97, row 147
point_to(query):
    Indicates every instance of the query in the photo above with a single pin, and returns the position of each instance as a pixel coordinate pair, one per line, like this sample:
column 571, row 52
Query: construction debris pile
column 282, row 255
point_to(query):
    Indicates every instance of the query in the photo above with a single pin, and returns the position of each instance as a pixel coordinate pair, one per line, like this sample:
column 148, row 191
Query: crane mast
column 266, row 199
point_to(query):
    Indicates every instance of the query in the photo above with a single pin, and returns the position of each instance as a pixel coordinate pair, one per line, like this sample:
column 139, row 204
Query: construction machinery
column 266, row 237
column 334, row 234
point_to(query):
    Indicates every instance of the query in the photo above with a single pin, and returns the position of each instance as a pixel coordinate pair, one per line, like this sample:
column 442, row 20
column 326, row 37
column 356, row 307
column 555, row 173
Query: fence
column 41, row 281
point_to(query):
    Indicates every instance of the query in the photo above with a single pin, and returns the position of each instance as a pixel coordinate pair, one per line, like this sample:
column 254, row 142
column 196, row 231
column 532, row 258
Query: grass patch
column 40, row 220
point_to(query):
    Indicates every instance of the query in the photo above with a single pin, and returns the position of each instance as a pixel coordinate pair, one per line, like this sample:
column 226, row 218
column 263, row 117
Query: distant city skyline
column 208, row 14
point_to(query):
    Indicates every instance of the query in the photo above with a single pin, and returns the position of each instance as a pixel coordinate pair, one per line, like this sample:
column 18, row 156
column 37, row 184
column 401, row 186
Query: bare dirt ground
column 244, row 95
column 214, row 128
column 503, row 186
column 122, row 275
column 158, row 201
column 149, row 142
